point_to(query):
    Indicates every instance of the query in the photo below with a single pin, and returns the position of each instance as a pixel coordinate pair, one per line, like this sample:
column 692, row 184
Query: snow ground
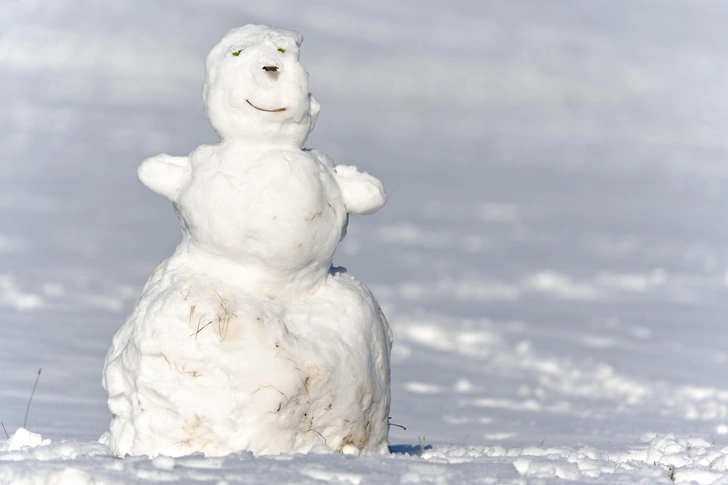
column 551, row 258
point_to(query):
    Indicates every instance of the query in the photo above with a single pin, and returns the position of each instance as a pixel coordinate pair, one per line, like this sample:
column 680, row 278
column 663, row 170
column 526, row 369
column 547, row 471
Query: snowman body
column 246, row 338
column 288, row 214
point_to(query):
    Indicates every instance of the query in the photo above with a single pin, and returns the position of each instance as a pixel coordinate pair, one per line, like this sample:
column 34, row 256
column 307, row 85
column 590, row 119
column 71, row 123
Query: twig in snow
column 6, row 431
column 322, row 436
column 200, row 329
column 27, row 409
column 271, row 387
column 397, row 425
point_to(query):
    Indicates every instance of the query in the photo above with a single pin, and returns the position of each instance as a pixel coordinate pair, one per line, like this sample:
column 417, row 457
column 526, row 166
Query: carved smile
column 277, row 110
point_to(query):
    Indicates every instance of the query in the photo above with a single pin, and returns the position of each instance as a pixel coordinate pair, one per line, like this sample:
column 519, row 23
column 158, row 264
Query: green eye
column 237, row 53
column 281, row 50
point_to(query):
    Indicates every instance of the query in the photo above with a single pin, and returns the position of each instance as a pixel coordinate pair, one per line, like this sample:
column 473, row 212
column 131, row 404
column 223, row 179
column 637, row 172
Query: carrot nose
column 270, row 68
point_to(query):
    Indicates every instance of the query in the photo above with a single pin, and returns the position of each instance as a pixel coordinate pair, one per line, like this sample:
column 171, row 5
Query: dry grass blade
column 27, row 409
column 200, row 329
column 6, row 431
column 322, row 436
column 397, row 425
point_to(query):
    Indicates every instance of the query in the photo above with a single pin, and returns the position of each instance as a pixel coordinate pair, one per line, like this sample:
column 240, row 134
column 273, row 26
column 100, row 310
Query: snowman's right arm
column 164, row 174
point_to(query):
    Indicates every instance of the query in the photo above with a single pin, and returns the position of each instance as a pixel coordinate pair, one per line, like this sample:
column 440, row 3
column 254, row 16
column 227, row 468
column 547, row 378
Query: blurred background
column 552, row 257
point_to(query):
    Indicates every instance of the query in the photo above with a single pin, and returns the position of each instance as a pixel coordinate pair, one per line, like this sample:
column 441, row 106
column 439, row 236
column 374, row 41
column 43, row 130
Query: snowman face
column 256, row 90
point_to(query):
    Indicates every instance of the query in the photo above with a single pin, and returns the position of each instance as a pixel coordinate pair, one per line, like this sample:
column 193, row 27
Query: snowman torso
column 275, row 209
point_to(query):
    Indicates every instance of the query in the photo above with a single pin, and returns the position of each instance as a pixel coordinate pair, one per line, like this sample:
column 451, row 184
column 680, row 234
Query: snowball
column 163, row 463
column 22, row 438
column 350, row 450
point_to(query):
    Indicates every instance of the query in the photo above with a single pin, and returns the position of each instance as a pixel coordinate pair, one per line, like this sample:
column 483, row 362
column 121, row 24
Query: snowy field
column 552, row 258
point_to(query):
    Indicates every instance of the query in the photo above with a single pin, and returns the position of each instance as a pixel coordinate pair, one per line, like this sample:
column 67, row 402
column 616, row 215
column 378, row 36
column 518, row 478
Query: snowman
column 247, row 338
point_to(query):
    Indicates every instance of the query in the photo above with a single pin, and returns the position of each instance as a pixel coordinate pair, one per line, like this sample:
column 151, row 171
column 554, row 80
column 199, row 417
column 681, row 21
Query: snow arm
column 164, row 174
column 361, row 192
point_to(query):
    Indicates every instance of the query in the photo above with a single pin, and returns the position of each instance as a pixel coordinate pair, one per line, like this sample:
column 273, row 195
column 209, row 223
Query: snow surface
column 551, row 258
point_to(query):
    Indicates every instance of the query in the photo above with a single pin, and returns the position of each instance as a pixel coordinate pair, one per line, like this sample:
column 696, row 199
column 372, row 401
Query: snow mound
column 683, row 459
column 23, row 438
column 662, row 459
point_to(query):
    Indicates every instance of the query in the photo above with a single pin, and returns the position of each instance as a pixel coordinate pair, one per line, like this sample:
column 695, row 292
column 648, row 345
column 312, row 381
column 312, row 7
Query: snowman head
column 255, row 89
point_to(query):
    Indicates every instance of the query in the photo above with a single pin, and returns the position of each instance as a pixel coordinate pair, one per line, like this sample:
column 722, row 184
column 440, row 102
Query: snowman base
column 200, row 367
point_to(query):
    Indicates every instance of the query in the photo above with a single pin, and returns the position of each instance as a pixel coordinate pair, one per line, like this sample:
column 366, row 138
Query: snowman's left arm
column 361, row 192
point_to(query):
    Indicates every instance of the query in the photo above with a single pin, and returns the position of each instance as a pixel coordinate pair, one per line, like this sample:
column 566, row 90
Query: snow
column 688, row 460
column 551, row 257
column 22, row 438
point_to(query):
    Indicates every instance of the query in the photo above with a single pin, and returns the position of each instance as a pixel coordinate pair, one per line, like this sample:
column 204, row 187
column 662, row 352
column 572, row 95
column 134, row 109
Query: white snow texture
column 552, row 258
column 247, row 338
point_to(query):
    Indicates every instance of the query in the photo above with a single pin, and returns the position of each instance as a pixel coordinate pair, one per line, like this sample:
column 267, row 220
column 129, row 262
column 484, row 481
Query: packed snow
column 551, row 258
